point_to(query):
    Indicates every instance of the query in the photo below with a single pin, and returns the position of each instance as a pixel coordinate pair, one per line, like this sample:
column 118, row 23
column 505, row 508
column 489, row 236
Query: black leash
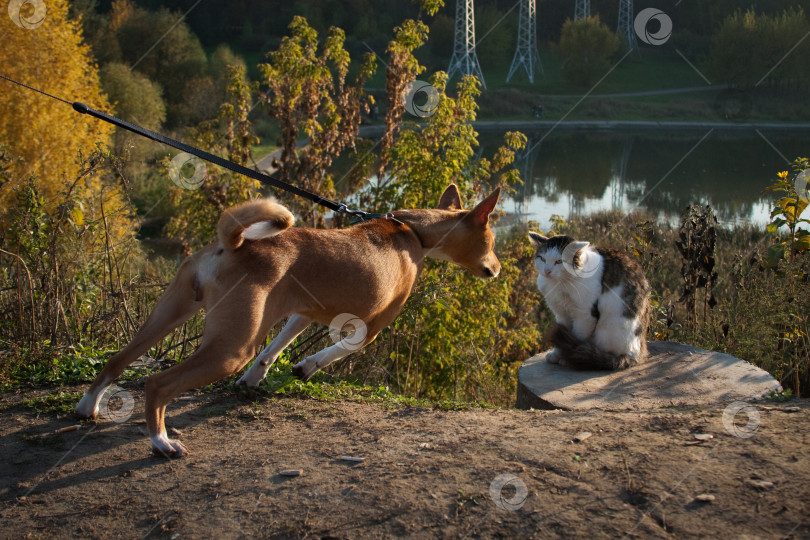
column 207, row 156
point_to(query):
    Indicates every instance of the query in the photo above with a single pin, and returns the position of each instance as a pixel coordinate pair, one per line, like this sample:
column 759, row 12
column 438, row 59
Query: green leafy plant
column 309, row 96
column 787, row 212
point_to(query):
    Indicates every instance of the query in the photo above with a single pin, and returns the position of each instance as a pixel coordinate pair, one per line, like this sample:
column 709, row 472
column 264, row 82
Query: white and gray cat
column 600, row 299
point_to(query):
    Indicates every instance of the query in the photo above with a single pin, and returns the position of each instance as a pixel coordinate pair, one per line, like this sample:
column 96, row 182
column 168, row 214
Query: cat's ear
column 575, row 247
column 537, row 239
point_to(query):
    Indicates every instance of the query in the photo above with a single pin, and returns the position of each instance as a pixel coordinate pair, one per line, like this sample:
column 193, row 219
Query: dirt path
column 425, row 473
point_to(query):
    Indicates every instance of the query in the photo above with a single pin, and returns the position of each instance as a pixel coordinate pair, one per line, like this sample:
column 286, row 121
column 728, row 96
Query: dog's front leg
column 257, row 372
column 307, row 367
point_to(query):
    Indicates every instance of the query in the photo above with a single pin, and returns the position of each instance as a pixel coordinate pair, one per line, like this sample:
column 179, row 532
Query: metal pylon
column 620, row 179
column 526, row 54
column 525, row 160
column 625, row 27
column 582, row 9
column 464, row 60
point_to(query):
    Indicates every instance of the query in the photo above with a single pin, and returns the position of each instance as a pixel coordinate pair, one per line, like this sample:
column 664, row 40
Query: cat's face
column 549, row 263
column 557, row 256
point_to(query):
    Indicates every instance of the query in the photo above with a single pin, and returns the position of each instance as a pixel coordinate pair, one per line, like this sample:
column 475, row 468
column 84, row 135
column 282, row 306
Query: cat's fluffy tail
column 583, row 355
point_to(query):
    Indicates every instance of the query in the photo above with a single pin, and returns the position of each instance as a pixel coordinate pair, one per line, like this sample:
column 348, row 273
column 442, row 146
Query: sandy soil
column 424, row 473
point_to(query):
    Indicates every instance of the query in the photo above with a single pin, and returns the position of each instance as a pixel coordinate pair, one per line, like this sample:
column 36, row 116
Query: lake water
column 577, row 172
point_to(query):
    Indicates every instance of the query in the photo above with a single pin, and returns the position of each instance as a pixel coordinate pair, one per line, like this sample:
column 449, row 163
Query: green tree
column 167, row 52
column 456, row 334
column 230, row 136
column 401, row 70
column 787, row 213
column 134, row 97
column 309, row 97
column 501, row 35
column 751, row 49
column 219, row 64
column 586, row 47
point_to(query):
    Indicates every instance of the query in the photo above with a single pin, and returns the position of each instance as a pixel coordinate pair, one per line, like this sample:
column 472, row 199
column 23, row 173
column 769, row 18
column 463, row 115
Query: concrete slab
column 675, row 374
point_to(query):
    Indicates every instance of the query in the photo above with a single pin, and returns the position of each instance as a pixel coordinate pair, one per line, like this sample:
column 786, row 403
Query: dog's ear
column 480, row 213
column 451, row 199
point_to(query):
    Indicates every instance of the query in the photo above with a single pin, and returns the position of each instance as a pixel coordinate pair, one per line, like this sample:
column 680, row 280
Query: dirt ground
column 424, row 473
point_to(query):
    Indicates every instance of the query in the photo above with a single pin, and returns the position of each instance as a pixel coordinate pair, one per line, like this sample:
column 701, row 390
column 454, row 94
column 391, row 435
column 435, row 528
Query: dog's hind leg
column 231, row 330
column 177, row 305
column 213, row 361
column 257, row 372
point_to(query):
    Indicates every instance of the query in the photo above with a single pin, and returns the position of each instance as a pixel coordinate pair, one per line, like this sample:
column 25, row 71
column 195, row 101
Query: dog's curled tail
column 583, row 355
column 254, row 220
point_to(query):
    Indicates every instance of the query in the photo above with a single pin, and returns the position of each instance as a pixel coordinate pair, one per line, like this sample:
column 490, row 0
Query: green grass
column 78, row 364
column 56, row 403
column 82, row 366
column 633, row 74
column 650, row 72
column 560, row 99
column 281, row 382
column 261, row 150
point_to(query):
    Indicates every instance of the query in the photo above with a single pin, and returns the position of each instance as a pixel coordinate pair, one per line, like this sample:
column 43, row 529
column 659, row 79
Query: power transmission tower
column 464, row 60
column 526, row 53
column 525, row 160
column 625, row 27
column 582, row 9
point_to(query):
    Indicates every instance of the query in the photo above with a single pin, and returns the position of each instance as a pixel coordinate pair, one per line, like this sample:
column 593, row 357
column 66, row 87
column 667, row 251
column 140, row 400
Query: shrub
column 586, row 46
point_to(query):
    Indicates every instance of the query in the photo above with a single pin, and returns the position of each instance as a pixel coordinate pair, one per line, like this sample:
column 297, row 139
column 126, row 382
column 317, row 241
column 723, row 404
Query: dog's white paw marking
column 252, row 377
column 88, row 405
column 553, row 357
column 170, row 448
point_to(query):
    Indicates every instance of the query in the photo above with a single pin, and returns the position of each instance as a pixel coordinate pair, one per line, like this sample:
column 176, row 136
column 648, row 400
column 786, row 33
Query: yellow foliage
column 46, row 134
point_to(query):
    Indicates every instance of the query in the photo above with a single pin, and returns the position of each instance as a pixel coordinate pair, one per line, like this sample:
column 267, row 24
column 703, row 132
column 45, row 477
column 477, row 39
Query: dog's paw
column 554, row 357
column 303, row 371
column 248, row 381
column 87, row 407
column 168, row 448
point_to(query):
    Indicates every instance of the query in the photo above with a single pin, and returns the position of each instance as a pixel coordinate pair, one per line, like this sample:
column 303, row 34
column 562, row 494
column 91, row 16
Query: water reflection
column 578, row 173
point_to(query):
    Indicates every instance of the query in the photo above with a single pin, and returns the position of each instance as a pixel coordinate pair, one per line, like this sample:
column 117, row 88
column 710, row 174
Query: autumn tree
column 48, row 140
column 46, row 135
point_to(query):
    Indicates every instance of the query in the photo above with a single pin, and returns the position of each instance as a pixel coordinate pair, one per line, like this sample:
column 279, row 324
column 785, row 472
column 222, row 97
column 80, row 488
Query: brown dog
column 259, row 272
